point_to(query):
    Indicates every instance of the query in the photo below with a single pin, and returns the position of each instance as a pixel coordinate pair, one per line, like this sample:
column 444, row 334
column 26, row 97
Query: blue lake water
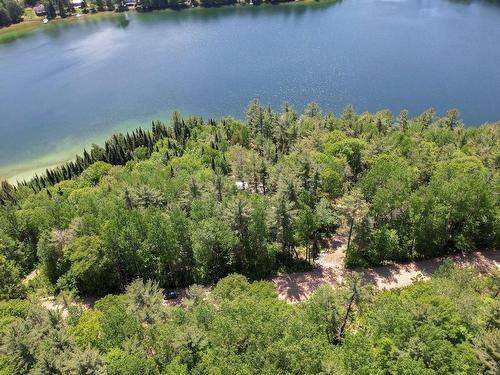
column 71, row 84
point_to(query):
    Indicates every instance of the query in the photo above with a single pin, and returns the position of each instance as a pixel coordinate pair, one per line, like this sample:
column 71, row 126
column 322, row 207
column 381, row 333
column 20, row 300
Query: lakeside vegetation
column 195, row 201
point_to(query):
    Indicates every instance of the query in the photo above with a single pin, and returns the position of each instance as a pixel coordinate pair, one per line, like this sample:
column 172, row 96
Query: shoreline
column 20, row 174
column 69, row 147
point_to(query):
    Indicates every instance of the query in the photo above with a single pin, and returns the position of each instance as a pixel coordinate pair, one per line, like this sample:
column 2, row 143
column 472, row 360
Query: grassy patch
column 29, row 15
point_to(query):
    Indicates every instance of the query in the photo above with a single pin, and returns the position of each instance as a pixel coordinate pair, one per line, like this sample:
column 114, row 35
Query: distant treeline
column 147, row 5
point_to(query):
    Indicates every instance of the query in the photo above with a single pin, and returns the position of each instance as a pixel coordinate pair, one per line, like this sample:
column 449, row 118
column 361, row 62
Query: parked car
column 169, row 294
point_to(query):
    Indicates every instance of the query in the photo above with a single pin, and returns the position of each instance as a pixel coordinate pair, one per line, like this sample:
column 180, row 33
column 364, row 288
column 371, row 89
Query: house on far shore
column 77, row 3
column 39, row 10
column 130, row 3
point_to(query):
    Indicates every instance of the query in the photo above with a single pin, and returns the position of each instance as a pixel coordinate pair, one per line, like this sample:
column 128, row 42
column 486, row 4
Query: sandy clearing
column 30, row 276
column 330, row 269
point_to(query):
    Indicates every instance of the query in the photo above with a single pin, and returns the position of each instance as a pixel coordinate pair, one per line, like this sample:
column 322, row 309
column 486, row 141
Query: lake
column 73, row 83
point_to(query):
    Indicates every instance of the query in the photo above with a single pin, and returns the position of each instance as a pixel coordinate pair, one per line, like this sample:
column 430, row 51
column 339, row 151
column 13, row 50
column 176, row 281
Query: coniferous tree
column 263, row 176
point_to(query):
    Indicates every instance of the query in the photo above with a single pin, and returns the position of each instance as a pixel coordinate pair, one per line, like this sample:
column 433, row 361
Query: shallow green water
column 71, row 84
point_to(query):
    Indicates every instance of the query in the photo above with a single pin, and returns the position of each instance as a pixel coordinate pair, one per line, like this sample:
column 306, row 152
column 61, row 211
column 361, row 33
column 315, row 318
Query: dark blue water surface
column 73, row 83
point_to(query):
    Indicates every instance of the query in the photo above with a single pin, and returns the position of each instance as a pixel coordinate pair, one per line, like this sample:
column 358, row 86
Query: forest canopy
column 194, row 200
column 448, row 325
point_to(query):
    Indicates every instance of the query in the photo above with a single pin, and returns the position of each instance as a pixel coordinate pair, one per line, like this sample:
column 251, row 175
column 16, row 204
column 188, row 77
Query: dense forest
column 196, row 200
column 448, row 325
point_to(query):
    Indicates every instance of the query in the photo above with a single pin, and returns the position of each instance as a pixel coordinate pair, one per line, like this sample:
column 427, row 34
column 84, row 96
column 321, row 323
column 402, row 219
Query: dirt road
column 297, row 287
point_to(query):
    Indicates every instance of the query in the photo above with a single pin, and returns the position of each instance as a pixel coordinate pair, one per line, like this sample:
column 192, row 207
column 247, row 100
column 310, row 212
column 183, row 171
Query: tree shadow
column 298, row 286
column 398, row 275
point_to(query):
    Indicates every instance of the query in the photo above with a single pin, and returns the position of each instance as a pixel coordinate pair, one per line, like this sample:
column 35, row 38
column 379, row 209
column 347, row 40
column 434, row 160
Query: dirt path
column 30, row 276
column 297, row 287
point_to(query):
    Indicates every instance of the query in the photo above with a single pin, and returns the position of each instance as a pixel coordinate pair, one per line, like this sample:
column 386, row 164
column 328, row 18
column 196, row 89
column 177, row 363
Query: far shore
column 31, row 25
column 25, row 27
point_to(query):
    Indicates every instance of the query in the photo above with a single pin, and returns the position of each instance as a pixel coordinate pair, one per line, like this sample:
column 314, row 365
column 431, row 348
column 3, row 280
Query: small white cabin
column 39, row 10
column 76, row 3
